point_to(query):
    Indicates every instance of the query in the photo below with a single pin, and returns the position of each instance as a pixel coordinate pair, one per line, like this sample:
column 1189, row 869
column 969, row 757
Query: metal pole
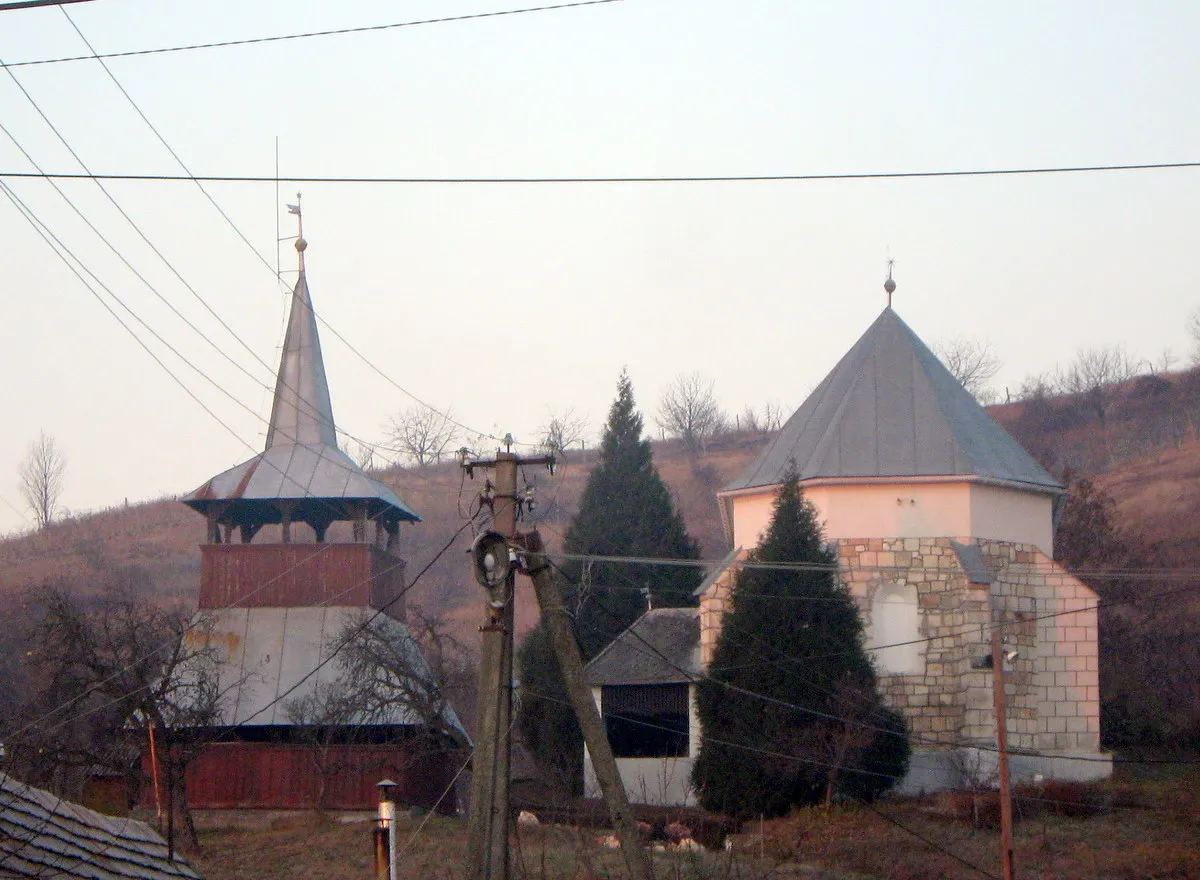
column 155, row 773
column 1006, row 817
column 570, row 663
column 385, row 832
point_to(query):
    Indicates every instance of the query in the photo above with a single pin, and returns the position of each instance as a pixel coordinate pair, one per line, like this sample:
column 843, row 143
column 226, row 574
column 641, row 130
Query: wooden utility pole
column 497, row 560
column 570, row 663
column 1006, row 815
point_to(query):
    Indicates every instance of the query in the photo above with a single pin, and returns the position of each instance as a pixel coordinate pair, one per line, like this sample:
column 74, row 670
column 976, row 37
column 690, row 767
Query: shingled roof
column 43, row 835
column 891, row 409
column 661, row 647
column 301, row 462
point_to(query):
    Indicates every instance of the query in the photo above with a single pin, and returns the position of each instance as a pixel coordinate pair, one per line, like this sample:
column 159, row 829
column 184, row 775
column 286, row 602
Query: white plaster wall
column 657, row 781
column 910, row 510
column 1012, row 515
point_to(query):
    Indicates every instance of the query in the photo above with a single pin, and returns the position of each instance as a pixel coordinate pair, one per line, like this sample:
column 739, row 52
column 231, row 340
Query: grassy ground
column 1148, row 830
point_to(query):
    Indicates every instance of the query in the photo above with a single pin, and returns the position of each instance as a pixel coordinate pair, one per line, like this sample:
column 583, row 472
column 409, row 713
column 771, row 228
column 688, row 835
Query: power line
column 33, row 4
column 188, row 172
column 694, row 677
column 707, row 178
column 304, row 36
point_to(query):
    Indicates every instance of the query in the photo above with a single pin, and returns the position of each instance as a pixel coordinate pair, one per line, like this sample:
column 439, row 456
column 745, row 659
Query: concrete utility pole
column 497, row 555
column 1006, row 815
column 487, row 831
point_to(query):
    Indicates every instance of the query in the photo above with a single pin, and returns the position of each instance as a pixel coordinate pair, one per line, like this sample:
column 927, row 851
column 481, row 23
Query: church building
column 326, row 559
column 944, row 528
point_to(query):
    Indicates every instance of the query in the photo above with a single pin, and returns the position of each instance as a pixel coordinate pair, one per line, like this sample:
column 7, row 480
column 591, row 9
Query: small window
column 646, row 721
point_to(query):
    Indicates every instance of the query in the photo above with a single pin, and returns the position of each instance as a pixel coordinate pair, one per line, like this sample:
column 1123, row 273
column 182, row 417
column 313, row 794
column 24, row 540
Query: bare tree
column 1193, row 332
column 422, row 433
column 689, row 410
column 362, row 454
column 765, row 422
column 972, row 362
column 112, row 667
column 327, row 719
column 1095, row 372
column 41, row 475
column 563, row 430
column 385, row 673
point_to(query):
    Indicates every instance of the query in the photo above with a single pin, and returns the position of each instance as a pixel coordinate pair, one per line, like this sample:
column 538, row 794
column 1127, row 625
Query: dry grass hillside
column 154, row 544
column 1141, row 441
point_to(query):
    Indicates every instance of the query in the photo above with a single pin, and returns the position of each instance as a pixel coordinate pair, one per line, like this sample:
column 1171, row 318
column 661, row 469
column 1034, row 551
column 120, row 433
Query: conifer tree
column 626, row 510
column 789, row 712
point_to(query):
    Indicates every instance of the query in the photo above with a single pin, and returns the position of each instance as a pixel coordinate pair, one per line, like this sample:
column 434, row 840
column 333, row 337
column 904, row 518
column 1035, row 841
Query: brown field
column 1122, row 830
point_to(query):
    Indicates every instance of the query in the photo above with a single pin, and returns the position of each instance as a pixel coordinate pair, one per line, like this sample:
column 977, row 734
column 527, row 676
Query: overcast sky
column 509, row 302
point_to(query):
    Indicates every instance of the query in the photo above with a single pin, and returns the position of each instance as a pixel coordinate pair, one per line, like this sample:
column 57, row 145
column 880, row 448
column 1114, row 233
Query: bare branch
column 41, row 476
column 423, row 434
column 972, row 362
column 563, row 430
column 689, row 410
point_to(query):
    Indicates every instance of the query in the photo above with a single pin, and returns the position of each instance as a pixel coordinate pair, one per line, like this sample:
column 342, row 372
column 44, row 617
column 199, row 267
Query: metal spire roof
column 301, row 461
column 891, row 409
column 302, row 411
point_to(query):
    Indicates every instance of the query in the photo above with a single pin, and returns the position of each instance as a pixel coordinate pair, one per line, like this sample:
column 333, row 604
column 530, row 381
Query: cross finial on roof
column 301, row 244
column 890, row 285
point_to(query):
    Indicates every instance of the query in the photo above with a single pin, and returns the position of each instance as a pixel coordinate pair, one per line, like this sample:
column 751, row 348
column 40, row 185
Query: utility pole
column 497, row 556
column 1006, row 815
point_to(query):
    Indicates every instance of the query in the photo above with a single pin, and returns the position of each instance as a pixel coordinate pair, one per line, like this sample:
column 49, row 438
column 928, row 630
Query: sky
column 507, row 303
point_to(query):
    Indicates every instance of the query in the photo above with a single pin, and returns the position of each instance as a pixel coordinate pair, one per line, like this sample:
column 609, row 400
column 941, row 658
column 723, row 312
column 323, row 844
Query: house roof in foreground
column 42, row 835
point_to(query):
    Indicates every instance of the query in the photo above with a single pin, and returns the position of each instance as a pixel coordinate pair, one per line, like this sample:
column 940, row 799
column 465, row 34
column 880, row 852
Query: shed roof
column 891, row 409
column 301, row 459
column 661, row 647
column 42, row 835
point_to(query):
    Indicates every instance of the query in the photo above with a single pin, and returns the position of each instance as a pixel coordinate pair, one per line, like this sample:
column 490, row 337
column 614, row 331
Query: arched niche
column 895, row 621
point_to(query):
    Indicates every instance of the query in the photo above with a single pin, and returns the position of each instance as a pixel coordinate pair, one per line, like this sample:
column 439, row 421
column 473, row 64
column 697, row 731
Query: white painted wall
column 910, row 510
column 657, row 781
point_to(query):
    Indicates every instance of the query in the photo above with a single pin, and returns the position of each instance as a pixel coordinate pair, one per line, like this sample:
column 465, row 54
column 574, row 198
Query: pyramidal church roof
column 890, row 409
column 301, row 462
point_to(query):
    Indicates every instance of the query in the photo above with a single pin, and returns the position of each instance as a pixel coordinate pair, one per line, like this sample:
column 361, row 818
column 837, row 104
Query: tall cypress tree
column 626, row 510
column 794, row 637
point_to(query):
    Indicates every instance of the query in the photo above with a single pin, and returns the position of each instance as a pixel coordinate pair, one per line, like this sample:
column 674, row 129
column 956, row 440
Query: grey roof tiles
column 661, row 647
column 891, row 409
column 43, row 835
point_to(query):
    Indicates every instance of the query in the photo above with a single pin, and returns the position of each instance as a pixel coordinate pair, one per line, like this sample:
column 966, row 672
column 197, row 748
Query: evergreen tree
column 626, row 510
column 795, row 638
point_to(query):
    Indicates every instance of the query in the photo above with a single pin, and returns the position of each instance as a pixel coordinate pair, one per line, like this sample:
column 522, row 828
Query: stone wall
column 1053, row 698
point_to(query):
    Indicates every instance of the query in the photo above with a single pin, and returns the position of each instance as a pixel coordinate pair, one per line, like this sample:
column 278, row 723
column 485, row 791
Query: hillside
column 1140, row 441
column 154, row 544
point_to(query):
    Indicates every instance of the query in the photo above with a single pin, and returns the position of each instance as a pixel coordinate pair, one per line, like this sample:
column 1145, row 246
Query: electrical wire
column 309, row 35
column 709, row 178
column 787, row 757
column 693, row 677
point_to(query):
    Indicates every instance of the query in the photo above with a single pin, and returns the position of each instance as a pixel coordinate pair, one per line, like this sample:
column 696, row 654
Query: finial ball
column 889, row 286
column 301, row 244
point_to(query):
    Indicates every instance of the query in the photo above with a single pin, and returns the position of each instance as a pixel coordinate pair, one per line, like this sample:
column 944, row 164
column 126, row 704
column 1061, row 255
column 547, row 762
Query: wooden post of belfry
column 1006, row 814
column 487, row 831
column 570, row 663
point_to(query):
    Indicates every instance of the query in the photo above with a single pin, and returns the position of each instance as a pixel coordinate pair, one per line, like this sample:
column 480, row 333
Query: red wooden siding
column 239, row 775
column 299, row 575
